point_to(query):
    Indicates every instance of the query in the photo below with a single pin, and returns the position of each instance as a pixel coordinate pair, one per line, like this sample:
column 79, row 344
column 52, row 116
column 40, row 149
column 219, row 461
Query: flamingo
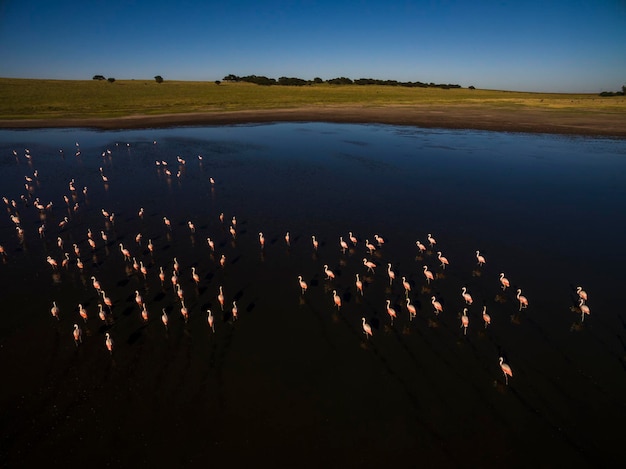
column 150, row 246
column 391, row 273
column 138, row 238
column 486, row 317
column 315, row 242
column 220, row 298
column 164, row 318
column 370, row 247
column 184, row 311
column 55, row 310
column 234, row 311
column 359, row 285
column 343, row 245
column 232, row 231
column 192, row 227
column 95, row 284
column 261, row 240
column 125, row 252
column 109, row 343
column 330, row 275
column 504, row 281
column 303, row 284
column 52, row 262
column 466, row 296
column 211, row 244
column 431, row 240
column 506, row 369
column 443, row 260
column 106, row 299
column 584, row 309
column 78, row 335
column 143, row 269
column 101, row 314
column 582, row 294
column 406, row 285
column 523, row 301
column 367, row 329
column 138, row 299
column 369, row 264
column 176, row 266
column 83, row 312
column 144, row 313
column 420, row 246
column 287, row 239
column 210, row 320
column 428, row 274
column 480, row 258
column 79, row 264
column 223, row 260
column 464, row 321
column 179, row 291
column 436, row 305
column 195, row 276
column 390, row 311
column 379, row 240
column 135, row 264
column 337, row 300
column 411, row 309
column 353, row 239
column 168, row 223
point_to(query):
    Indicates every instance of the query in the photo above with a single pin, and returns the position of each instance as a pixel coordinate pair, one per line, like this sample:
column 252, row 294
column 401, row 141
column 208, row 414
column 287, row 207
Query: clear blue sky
column 543, row 45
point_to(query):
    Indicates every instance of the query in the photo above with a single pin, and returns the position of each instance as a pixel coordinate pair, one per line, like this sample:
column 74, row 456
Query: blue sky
column 557, row 46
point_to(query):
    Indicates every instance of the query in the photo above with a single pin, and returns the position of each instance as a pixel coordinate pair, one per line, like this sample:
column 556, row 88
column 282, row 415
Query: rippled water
column 293, row 379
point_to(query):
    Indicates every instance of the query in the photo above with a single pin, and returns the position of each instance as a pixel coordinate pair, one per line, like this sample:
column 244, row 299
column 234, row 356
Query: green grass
column 46, row 99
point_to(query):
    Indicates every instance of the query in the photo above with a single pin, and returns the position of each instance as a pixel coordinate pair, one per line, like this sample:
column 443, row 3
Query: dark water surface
column 293, row 381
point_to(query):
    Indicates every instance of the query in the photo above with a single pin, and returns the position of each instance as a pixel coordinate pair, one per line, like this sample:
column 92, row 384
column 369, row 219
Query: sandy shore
column 449, row 117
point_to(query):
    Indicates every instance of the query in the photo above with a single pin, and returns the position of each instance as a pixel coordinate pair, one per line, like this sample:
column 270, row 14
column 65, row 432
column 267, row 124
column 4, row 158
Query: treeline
column 291, row 81
column 615, row 93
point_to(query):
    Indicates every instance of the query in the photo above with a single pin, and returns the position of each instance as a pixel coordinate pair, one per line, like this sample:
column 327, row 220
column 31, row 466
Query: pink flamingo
column 480, row 258
column 486, row 317
column 443, row 260
column 411, row 309
column 359, row 285
column 436, row 305
column 584, row 309
column 466, row 296
column 506, row 369
column 303, row 284
column 523, row 301
column 464, row 321
column 428, row 274
column 367, row 329
column 504, row 281
column 391, row 312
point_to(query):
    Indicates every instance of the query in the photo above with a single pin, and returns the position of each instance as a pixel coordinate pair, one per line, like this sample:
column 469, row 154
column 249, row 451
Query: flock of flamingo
column 99, row 238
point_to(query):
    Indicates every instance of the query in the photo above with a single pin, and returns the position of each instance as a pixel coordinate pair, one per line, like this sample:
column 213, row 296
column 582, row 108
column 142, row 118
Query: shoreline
column 599, row 124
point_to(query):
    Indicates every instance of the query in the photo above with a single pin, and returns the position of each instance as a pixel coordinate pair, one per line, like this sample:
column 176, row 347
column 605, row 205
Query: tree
column 98, row 77
column 217, row 82
column 111, row 80
column 158, row 79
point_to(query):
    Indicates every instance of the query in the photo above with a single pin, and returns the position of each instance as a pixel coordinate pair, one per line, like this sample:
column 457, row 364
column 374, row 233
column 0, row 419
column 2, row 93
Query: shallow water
column 295, row 380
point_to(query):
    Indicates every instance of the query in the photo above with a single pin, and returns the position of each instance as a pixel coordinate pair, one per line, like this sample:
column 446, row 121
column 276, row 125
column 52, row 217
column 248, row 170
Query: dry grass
column 46, row 99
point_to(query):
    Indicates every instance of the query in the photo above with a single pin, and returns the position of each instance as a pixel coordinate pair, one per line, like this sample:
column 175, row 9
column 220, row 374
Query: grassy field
column 50, row 99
